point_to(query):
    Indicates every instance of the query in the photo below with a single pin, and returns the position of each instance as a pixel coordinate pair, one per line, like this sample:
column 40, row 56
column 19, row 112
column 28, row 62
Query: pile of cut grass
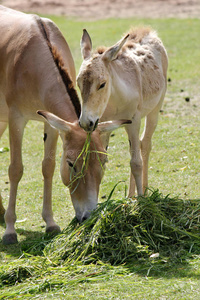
column 119, row 231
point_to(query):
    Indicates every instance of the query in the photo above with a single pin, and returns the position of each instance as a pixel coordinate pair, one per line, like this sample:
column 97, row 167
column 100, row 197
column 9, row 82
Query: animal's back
column 148, row 52
column 14, row 27
column 17, row 29
column 25, row 58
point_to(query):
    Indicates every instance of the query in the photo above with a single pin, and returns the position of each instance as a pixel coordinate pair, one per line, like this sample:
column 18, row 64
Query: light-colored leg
column 16, row 129
column 150, row 126
column 48, row 167
column 3, row 126
column 131, row 191
column 133, row 131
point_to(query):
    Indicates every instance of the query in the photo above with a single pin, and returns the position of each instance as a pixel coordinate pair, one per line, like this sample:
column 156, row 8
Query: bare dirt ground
column 100, row 9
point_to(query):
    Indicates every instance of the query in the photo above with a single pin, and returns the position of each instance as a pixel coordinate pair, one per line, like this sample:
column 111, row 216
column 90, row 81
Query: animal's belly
column 27, row 108
column 150, row 104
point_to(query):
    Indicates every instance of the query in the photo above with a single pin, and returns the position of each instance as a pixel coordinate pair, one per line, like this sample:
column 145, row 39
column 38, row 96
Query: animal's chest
column 121, row 105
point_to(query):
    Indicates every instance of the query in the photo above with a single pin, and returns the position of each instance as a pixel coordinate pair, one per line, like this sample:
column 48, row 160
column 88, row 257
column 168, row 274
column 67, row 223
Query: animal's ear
column 113, row 51
column 55, row 121
column 86, row 45
column 112, row 125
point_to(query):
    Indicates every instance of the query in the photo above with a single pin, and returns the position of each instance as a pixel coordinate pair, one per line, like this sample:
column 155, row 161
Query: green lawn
column 174, row 170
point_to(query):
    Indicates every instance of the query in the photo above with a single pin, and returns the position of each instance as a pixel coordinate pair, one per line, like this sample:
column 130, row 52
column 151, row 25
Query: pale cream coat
column 125, row 81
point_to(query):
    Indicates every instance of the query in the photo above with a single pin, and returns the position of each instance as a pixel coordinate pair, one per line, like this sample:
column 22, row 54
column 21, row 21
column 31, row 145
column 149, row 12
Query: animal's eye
column 102, row 85
column 71, row 165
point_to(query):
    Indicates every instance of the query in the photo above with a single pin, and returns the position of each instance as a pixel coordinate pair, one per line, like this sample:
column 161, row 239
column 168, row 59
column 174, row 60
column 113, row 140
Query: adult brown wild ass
column 127, row 80
column 34, row 77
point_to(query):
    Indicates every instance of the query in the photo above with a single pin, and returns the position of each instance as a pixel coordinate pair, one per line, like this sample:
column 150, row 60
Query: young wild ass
column 34, row 77
column 127, row 80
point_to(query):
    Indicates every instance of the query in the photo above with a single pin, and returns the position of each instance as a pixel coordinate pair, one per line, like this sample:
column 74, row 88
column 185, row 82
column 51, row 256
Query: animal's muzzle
column 89, row 126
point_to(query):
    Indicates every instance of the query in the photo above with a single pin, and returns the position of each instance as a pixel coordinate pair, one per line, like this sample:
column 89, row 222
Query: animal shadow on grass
column 33, row 244
column 165, row 269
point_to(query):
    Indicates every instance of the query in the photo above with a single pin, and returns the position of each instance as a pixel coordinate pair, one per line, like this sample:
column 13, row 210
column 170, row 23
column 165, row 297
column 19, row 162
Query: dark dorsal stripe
column 62, row 70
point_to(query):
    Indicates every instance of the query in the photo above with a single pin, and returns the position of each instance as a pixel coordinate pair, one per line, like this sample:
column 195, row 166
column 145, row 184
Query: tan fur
column 101, row 49
column 134, row 72
column 34, row 77
column 137, row 34
column 61, row 67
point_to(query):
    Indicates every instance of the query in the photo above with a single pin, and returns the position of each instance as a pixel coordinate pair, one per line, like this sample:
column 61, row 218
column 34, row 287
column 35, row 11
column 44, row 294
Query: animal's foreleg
column 16, row 129
column 3, row 126
column 150, row 126
column 48, row 166
column 136, row 160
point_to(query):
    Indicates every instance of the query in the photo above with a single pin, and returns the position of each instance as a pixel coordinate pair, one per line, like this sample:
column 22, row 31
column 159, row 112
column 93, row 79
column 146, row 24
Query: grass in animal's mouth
column 84, row 155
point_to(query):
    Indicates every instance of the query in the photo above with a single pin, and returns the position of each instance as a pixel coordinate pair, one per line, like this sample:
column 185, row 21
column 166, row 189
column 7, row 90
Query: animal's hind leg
column 136, row 159
column 146, row 144
column 48, row 166
column 3, row 126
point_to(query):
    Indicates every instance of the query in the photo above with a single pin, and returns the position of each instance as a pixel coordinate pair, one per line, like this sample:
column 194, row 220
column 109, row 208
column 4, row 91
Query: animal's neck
column 122, row 102
column 58, row 102
column 65, row 102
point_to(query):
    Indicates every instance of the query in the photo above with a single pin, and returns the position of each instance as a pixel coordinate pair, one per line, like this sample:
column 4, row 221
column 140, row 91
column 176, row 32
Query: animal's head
column 83, row 161
column 94, row 81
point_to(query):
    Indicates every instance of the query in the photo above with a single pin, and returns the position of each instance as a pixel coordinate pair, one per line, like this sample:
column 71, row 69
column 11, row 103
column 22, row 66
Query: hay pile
column 153, row 230
column 120, row 231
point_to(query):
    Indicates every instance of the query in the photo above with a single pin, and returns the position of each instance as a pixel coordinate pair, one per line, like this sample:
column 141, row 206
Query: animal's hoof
column 53, row 229
column 9, row 239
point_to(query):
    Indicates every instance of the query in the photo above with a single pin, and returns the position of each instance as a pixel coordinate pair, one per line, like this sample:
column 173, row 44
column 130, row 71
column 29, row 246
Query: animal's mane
column 136, row 35
column 100, row 50
column 62, row 70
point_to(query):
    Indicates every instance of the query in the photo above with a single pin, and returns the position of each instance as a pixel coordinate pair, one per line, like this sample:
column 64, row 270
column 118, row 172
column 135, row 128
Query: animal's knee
column 16, row 171
column 136, row 166
column 48, row 167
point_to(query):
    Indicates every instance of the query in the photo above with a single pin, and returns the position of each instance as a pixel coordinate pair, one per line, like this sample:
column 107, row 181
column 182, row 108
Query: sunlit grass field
column 174, row 170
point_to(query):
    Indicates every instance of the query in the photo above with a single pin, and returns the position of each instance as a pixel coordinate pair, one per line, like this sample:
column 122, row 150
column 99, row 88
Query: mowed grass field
column 174, row 169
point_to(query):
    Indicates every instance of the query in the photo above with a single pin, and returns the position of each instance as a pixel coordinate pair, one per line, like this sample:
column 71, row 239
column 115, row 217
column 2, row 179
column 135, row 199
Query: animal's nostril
column 91, row 124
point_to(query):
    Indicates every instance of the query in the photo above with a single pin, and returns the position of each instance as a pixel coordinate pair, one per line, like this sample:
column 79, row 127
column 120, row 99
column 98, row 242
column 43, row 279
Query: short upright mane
column 62, row 70
column 136, row 35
